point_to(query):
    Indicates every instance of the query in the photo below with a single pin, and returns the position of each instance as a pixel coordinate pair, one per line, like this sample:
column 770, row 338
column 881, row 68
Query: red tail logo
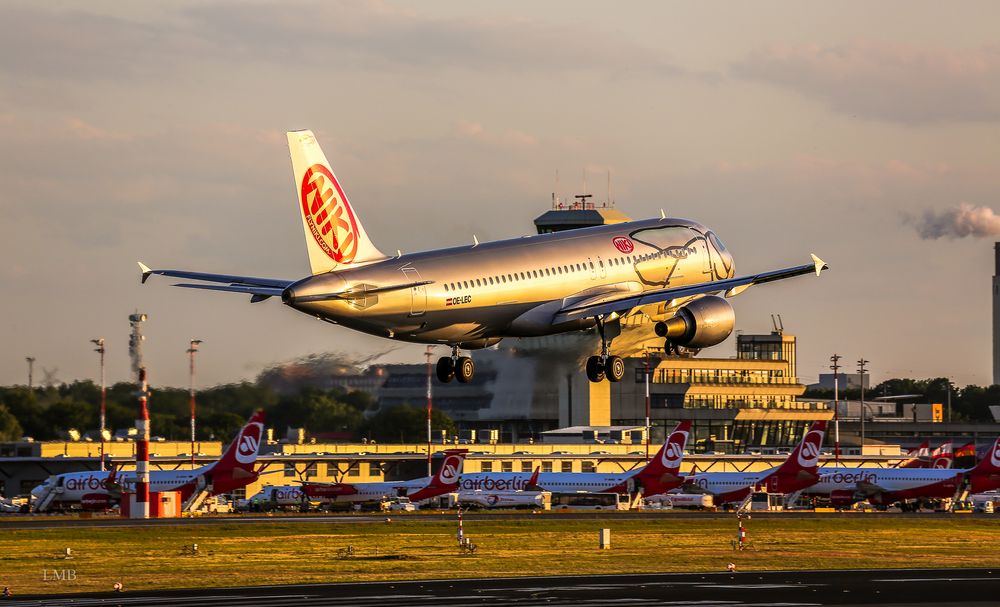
column 809, row 453
column 330, row 219
column 673, row 452
column 995, row 454
column 450, row 470
column 623, row 244
column 249, row 442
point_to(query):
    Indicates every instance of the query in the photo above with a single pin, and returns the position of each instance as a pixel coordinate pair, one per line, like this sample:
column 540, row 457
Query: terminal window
column 374, row 469
column 566, row 466
column 486, row 467
column 311, row 470
column 526, row 466
column 546, row 466
column 290, row 470
column 354, row 470
column 587, row 467
column 506, row 466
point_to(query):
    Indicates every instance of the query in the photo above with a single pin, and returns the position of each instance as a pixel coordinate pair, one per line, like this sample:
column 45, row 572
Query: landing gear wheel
column 464, row 369
column 614, row 368
column 595, row 369
column 445, row 369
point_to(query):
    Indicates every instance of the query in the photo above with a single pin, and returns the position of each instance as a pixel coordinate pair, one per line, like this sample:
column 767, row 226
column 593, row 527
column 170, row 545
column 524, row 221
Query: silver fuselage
column 477, row 295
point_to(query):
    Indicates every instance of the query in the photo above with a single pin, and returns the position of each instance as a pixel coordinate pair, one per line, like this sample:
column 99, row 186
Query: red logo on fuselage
column 330, row 219
column 623, row 244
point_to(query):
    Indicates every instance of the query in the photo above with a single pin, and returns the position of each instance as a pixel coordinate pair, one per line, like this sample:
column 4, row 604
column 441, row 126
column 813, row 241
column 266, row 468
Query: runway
column 895, row 587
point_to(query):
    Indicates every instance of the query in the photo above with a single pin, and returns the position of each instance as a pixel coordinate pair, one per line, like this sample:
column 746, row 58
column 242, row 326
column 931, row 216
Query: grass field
column 284, row 553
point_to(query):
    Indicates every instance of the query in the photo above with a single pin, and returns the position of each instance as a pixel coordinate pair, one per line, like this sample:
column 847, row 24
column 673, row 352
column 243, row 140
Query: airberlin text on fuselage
column 330, row 219
column 93, row 483
column 839, row 478
column 490, row 484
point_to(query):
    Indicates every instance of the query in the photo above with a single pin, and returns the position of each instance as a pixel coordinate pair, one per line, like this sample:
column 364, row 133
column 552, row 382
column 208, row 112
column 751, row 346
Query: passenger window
column 478, row 284
column 446, row 288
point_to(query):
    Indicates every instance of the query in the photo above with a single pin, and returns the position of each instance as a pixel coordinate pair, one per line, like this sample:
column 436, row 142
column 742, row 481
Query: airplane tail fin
column 805, row 456
column 235, row 468
column 943, row 456
column 917, row 458
column 662, row 472
column 532, row 484
column 446, row 479
column 335, row 237
column 986, row 475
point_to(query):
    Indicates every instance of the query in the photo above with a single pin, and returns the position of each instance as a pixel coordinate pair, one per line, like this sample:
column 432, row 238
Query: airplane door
column 418, row 294
column 601, row 269
column 593, row 268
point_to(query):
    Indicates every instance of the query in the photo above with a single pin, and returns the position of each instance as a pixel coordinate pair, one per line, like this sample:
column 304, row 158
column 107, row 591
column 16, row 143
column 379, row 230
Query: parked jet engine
column 702, row 323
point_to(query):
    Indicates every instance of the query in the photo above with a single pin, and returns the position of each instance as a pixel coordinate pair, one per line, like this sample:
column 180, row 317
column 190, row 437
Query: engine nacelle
column 702, row 323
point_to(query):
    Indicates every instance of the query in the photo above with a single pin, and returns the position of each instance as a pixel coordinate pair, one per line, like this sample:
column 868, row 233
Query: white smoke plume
column 959, row 222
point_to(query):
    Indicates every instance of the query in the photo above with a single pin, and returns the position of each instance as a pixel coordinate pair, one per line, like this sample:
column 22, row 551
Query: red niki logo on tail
column 328, row 214
column 623, row 244
column 249, row 442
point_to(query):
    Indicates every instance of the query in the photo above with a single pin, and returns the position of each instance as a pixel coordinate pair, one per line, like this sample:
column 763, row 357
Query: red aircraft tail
column 917, row 458
column 447, row 477
column 986, row 475
column 662, row 472
column 235, row 469
column 801, row 469
column 943, row 456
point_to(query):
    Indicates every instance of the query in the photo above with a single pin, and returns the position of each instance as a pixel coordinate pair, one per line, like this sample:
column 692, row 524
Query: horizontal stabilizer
column 250, row 289
column 355, row 293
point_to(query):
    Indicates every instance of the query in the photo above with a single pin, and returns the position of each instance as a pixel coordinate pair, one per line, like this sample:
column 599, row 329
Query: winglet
column 145, row 271
column 820, row 264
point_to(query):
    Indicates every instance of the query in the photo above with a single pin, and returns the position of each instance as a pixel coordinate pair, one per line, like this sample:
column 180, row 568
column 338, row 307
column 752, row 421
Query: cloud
column 885, row 81
column 960, row 222
column 508, row 137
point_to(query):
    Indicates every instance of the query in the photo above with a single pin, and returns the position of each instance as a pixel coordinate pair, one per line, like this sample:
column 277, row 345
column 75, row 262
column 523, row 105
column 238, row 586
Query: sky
column 866, row 133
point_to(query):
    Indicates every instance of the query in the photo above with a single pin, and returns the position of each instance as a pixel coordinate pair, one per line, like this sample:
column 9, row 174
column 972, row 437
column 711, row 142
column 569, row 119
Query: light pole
column 429, row 354
column 836, row 406
column 949, row 401
column 191, row 352
column 31, row 369
column 99, row 342
column 646, row 375
column 861, row 371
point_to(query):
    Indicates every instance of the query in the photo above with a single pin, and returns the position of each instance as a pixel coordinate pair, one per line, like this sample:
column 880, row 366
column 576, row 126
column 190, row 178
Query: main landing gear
column 606, row 365
column 458, row 367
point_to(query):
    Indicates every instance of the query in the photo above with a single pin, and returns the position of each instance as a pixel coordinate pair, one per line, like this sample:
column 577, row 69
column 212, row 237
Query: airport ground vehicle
column 506, row 499
column 692, row 501
column 588, row 501
column 470, row 297
column 95, row 490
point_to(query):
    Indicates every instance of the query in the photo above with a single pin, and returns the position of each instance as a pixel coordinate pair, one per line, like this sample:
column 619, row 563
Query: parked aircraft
column 794, row 474
column 885, row 486
column 444, row 481
column 659, row 475
column 476, row 295
column 95, row 490
column 918, row 457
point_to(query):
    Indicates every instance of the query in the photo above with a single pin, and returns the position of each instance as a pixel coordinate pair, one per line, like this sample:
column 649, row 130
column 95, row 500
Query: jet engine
column 702, row 323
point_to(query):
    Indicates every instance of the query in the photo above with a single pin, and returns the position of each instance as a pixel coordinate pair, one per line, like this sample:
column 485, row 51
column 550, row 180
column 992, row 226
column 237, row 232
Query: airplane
column 278, row 496
column 471, row 297
column 885, row 486
column 529, row 496
column 96, row 490
column 796, row 473
column 659, row 475
column 418, row 489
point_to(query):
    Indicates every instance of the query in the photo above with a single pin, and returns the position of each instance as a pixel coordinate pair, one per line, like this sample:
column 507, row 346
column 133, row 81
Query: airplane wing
column 259, row 288
column 731, row 286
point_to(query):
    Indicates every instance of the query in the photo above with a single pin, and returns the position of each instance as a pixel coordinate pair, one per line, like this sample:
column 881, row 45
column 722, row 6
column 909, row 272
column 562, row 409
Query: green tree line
column 45, row 413
column 968, row 404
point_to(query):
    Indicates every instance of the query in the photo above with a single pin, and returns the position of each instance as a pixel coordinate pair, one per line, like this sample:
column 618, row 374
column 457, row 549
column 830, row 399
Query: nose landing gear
column 457, row 367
